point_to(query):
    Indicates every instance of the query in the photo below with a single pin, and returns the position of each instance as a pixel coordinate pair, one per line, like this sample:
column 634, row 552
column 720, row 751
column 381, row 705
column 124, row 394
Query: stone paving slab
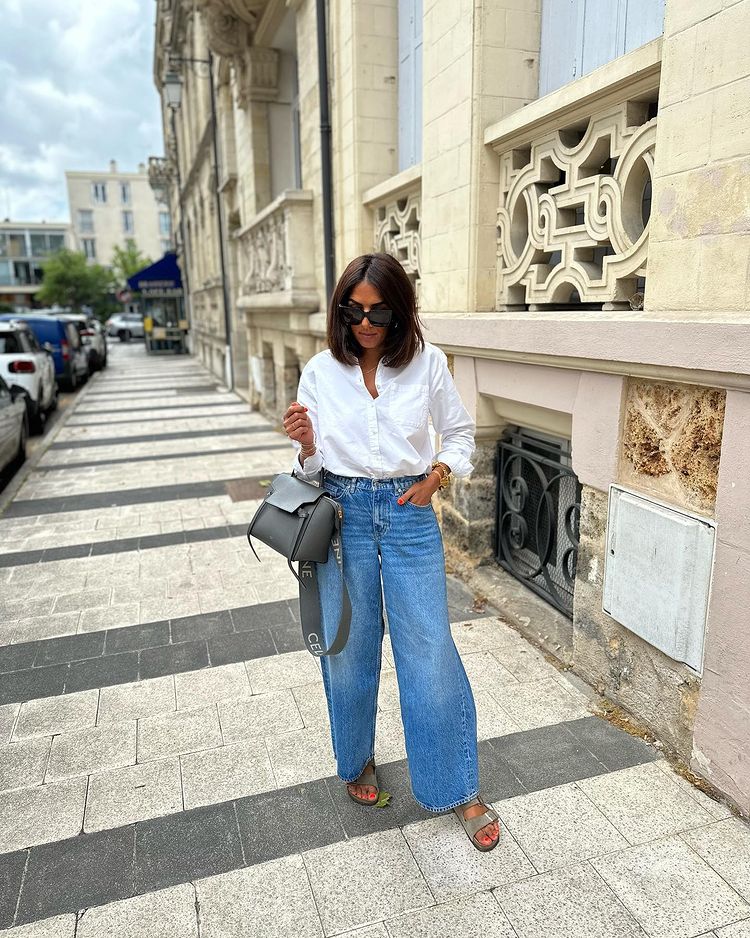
column 169, row 724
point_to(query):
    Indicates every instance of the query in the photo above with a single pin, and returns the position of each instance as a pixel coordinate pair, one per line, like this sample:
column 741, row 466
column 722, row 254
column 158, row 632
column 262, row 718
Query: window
column 577, row 36
column 85, row 220
column 166, row 246
column 409, row 83
column 165, row 224
column 128, row 225
column 22, row 273
column 125, row 193
column 6, row 278
column 38, row 245
column 17, row 245
column 56, row 242
column 9, row 343
column 89, row 248
column 99, row 192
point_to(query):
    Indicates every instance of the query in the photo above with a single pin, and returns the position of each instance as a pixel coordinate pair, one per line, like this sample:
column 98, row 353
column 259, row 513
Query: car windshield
column 9, row 343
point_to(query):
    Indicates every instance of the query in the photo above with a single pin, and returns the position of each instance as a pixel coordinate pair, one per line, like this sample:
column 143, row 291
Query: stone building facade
column 581, row 255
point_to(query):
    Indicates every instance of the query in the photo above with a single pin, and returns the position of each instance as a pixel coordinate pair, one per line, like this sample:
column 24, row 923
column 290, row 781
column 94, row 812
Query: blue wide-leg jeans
column 404, row 544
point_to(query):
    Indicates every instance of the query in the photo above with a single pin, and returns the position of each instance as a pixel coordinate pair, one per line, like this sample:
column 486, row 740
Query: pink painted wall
column 721, row 743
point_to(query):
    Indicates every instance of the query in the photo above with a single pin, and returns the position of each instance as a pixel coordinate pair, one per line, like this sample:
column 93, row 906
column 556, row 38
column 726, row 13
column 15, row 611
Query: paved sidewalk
column 165, row 759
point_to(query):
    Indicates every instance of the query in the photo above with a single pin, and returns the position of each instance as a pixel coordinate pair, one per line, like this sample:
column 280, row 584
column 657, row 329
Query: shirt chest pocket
column 407, row 405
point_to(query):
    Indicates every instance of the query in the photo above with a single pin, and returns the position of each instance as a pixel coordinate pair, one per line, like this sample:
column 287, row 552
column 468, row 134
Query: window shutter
column 559, row 57
column 409, row 82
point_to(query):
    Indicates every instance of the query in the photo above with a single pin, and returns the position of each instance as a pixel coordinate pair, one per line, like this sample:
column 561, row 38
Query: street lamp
column 173, row 94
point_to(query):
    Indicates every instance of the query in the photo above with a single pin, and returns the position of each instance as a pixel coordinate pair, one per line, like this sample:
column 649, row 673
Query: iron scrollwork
column 538, row 513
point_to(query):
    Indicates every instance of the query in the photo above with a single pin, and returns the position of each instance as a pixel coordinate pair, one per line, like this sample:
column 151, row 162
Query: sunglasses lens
column 376, row 317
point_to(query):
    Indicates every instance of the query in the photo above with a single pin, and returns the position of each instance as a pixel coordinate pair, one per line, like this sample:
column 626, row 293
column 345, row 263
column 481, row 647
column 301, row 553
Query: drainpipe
column 325, row 148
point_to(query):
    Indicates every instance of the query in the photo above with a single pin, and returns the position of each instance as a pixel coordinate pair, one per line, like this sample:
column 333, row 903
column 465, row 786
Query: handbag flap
column 289, row 493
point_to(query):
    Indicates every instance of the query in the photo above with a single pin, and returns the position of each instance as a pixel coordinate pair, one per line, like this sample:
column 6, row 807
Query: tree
column 68, row 280
column 127, row 261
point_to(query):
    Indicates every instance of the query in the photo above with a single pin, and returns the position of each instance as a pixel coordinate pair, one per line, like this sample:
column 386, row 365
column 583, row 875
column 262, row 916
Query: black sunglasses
column 376, row 317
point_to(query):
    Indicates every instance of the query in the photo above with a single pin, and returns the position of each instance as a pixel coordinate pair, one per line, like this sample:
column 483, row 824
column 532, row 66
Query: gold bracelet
column 444, row 473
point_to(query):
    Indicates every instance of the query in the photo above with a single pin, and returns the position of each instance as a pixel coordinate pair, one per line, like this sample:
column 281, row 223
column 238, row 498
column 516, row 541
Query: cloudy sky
column 75, row 92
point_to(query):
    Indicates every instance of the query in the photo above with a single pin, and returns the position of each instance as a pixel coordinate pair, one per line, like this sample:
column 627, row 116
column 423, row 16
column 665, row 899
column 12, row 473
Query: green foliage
column 383, row 799
column 68, row 280
column 127, row 261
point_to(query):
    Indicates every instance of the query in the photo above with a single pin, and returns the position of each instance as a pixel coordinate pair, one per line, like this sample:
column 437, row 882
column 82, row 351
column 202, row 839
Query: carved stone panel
column 397, row 232
column 573, row 215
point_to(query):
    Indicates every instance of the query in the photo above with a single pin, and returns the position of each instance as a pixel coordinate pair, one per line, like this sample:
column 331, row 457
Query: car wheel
column 21, row 453
column 36, row 417
column 73, row 380
column 55, row 401
column 124, row 335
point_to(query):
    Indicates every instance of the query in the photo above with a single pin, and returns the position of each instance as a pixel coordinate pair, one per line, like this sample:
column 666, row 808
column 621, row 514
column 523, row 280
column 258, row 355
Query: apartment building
column 24, row 246
column 565, row 182
column 108, row 208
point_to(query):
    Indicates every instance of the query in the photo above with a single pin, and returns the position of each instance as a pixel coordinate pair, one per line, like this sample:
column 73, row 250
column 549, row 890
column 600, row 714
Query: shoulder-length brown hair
column 389, row 278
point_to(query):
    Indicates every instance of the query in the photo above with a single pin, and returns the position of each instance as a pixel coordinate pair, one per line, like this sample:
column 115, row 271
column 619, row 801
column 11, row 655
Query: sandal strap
column 473, row 825
column 367, row 777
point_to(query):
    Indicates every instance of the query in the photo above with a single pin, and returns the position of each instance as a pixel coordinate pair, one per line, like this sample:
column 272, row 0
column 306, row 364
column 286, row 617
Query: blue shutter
column 560, row 43
column 580, row 35
column 644, row 22
column 603, row 32
column 417, row 81
column 409, row 82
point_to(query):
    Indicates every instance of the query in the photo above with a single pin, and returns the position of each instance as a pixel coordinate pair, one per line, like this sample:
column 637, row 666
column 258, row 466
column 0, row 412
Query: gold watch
column 445, row 471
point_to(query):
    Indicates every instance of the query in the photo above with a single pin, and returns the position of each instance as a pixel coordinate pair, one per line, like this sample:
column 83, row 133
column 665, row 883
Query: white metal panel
column 405, row 83
column 644, row 22
column 658, row 573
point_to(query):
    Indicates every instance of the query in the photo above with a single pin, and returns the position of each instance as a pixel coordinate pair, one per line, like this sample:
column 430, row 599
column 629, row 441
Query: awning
column 159, row 279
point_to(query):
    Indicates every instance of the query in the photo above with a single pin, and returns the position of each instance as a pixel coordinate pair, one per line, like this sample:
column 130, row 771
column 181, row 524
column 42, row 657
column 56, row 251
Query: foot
column 488, row 834
column 368, row 792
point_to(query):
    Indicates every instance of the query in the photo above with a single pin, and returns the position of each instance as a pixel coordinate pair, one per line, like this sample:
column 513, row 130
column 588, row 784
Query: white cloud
column 75, row 91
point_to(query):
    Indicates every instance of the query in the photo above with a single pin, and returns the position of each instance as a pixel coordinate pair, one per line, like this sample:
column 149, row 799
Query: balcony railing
column 276, row 261
column 575, row 190
column 396, row 205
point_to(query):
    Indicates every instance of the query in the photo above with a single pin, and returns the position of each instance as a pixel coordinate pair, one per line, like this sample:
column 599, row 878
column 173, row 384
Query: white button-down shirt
column 358, row 435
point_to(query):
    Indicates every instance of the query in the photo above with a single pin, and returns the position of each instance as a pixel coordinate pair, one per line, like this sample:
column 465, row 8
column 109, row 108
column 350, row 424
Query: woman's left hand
column 421, row 492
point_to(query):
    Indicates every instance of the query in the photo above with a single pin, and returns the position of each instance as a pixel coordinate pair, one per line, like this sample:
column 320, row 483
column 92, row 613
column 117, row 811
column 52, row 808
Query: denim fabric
column 404, row 543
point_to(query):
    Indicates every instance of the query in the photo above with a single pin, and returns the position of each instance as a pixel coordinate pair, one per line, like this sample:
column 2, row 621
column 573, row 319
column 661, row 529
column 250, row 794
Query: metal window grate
column 538, row 510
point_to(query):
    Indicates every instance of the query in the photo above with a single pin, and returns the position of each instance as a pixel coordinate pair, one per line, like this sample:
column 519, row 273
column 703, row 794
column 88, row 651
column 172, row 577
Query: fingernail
column 401, row 501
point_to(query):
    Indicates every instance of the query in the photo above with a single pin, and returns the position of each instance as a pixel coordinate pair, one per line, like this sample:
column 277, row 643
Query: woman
column 361, row 417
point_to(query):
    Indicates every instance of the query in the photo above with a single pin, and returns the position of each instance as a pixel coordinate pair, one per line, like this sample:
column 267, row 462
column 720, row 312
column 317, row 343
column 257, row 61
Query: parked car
column 25, row 363
column 13, row 427
column 125, row 326
column 60, row 337
column 93, row 338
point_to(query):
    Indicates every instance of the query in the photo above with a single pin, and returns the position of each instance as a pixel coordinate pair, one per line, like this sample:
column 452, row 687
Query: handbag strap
column 309, row 602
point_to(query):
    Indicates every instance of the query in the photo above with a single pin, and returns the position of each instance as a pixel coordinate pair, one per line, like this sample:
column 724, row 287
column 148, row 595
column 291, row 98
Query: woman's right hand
column 297, row 424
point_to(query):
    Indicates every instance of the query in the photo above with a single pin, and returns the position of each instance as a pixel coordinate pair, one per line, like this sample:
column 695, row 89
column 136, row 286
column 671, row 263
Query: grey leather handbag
column 301, row 520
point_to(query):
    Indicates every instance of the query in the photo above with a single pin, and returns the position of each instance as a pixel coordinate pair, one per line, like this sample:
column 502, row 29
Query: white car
column 126, row 326
column 12, row 429
column 23, row 362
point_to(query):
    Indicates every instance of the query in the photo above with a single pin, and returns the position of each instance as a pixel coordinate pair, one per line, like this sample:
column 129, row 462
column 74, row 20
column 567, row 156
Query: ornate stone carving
column 573, row 214
column 257, row 75
column 397, row 231
column 276, row 254
column 230, row 24
column 160, row 174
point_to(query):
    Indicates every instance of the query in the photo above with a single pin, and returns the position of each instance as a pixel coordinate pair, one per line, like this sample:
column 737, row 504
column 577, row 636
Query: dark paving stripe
column 158, row 437
column 98, row 868
column 159, row 419
column 151, row 407
column 97, row 548
column 94, row 500
column 56, row 666
column 93, row 463
column 145, row 392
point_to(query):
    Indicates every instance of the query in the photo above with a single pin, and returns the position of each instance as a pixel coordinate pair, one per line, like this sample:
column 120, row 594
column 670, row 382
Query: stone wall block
column 672, row 442
column 618, row 663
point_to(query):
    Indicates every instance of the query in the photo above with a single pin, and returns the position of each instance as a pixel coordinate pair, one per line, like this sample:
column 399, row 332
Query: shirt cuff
column 459, row 465
column 312, row 464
